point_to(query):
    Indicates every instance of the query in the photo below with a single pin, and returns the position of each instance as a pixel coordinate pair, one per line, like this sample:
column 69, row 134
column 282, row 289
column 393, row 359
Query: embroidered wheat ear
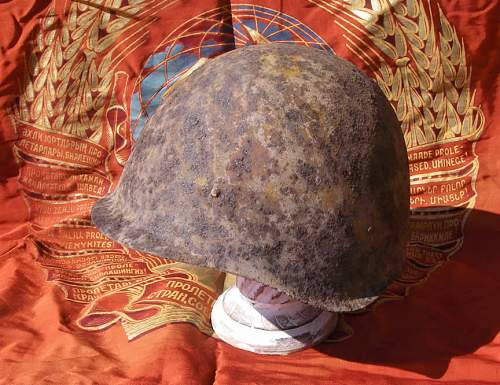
column 69, row 76
column 429, row 87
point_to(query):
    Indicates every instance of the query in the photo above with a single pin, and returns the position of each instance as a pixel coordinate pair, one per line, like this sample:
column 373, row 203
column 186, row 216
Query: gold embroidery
column 430, row 84
column 65, row 88
column 72, row 84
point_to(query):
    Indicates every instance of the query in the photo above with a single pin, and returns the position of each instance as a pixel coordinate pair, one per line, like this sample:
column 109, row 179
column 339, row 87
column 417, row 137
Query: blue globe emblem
column 206, row 36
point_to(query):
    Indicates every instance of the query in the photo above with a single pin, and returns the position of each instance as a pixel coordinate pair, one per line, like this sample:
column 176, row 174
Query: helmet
column 276, row 162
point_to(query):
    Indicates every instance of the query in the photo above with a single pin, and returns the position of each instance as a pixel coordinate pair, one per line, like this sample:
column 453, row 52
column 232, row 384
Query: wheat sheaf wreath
column 430, row 84
column 409, row 47
column 70, row 68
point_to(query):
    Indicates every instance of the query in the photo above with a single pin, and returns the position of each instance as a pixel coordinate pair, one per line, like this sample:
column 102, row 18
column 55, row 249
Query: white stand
column 260, row 319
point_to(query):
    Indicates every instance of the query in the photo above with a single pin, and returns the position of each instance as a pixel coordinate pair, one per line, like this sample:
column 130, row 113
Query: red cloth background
column 444, row 331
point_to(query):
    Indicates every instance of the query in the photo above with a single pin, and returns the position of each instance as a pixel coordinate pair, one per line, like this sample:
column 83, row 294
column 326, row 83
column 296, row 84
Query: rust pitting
column 272, row 162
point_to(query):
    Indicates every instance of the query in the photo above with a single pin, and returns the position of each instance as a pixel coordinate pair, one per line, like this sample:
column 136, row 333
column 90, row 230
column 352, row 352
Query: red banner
column 79, row 81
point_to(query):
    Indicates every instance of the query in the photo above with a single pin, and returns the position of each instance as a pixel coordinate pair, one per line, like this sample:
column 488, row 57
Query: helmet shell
column 276, row 162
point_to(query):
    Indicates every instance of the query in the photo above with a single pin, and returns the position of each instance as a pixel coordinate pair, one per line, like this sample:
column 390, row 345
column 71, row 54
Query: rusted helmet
column 279, row 163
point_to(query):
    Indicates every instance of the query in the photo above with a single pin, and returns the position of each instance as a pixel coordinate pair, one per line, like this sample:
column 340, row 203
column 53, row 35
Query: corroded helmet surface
column 279, row 163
